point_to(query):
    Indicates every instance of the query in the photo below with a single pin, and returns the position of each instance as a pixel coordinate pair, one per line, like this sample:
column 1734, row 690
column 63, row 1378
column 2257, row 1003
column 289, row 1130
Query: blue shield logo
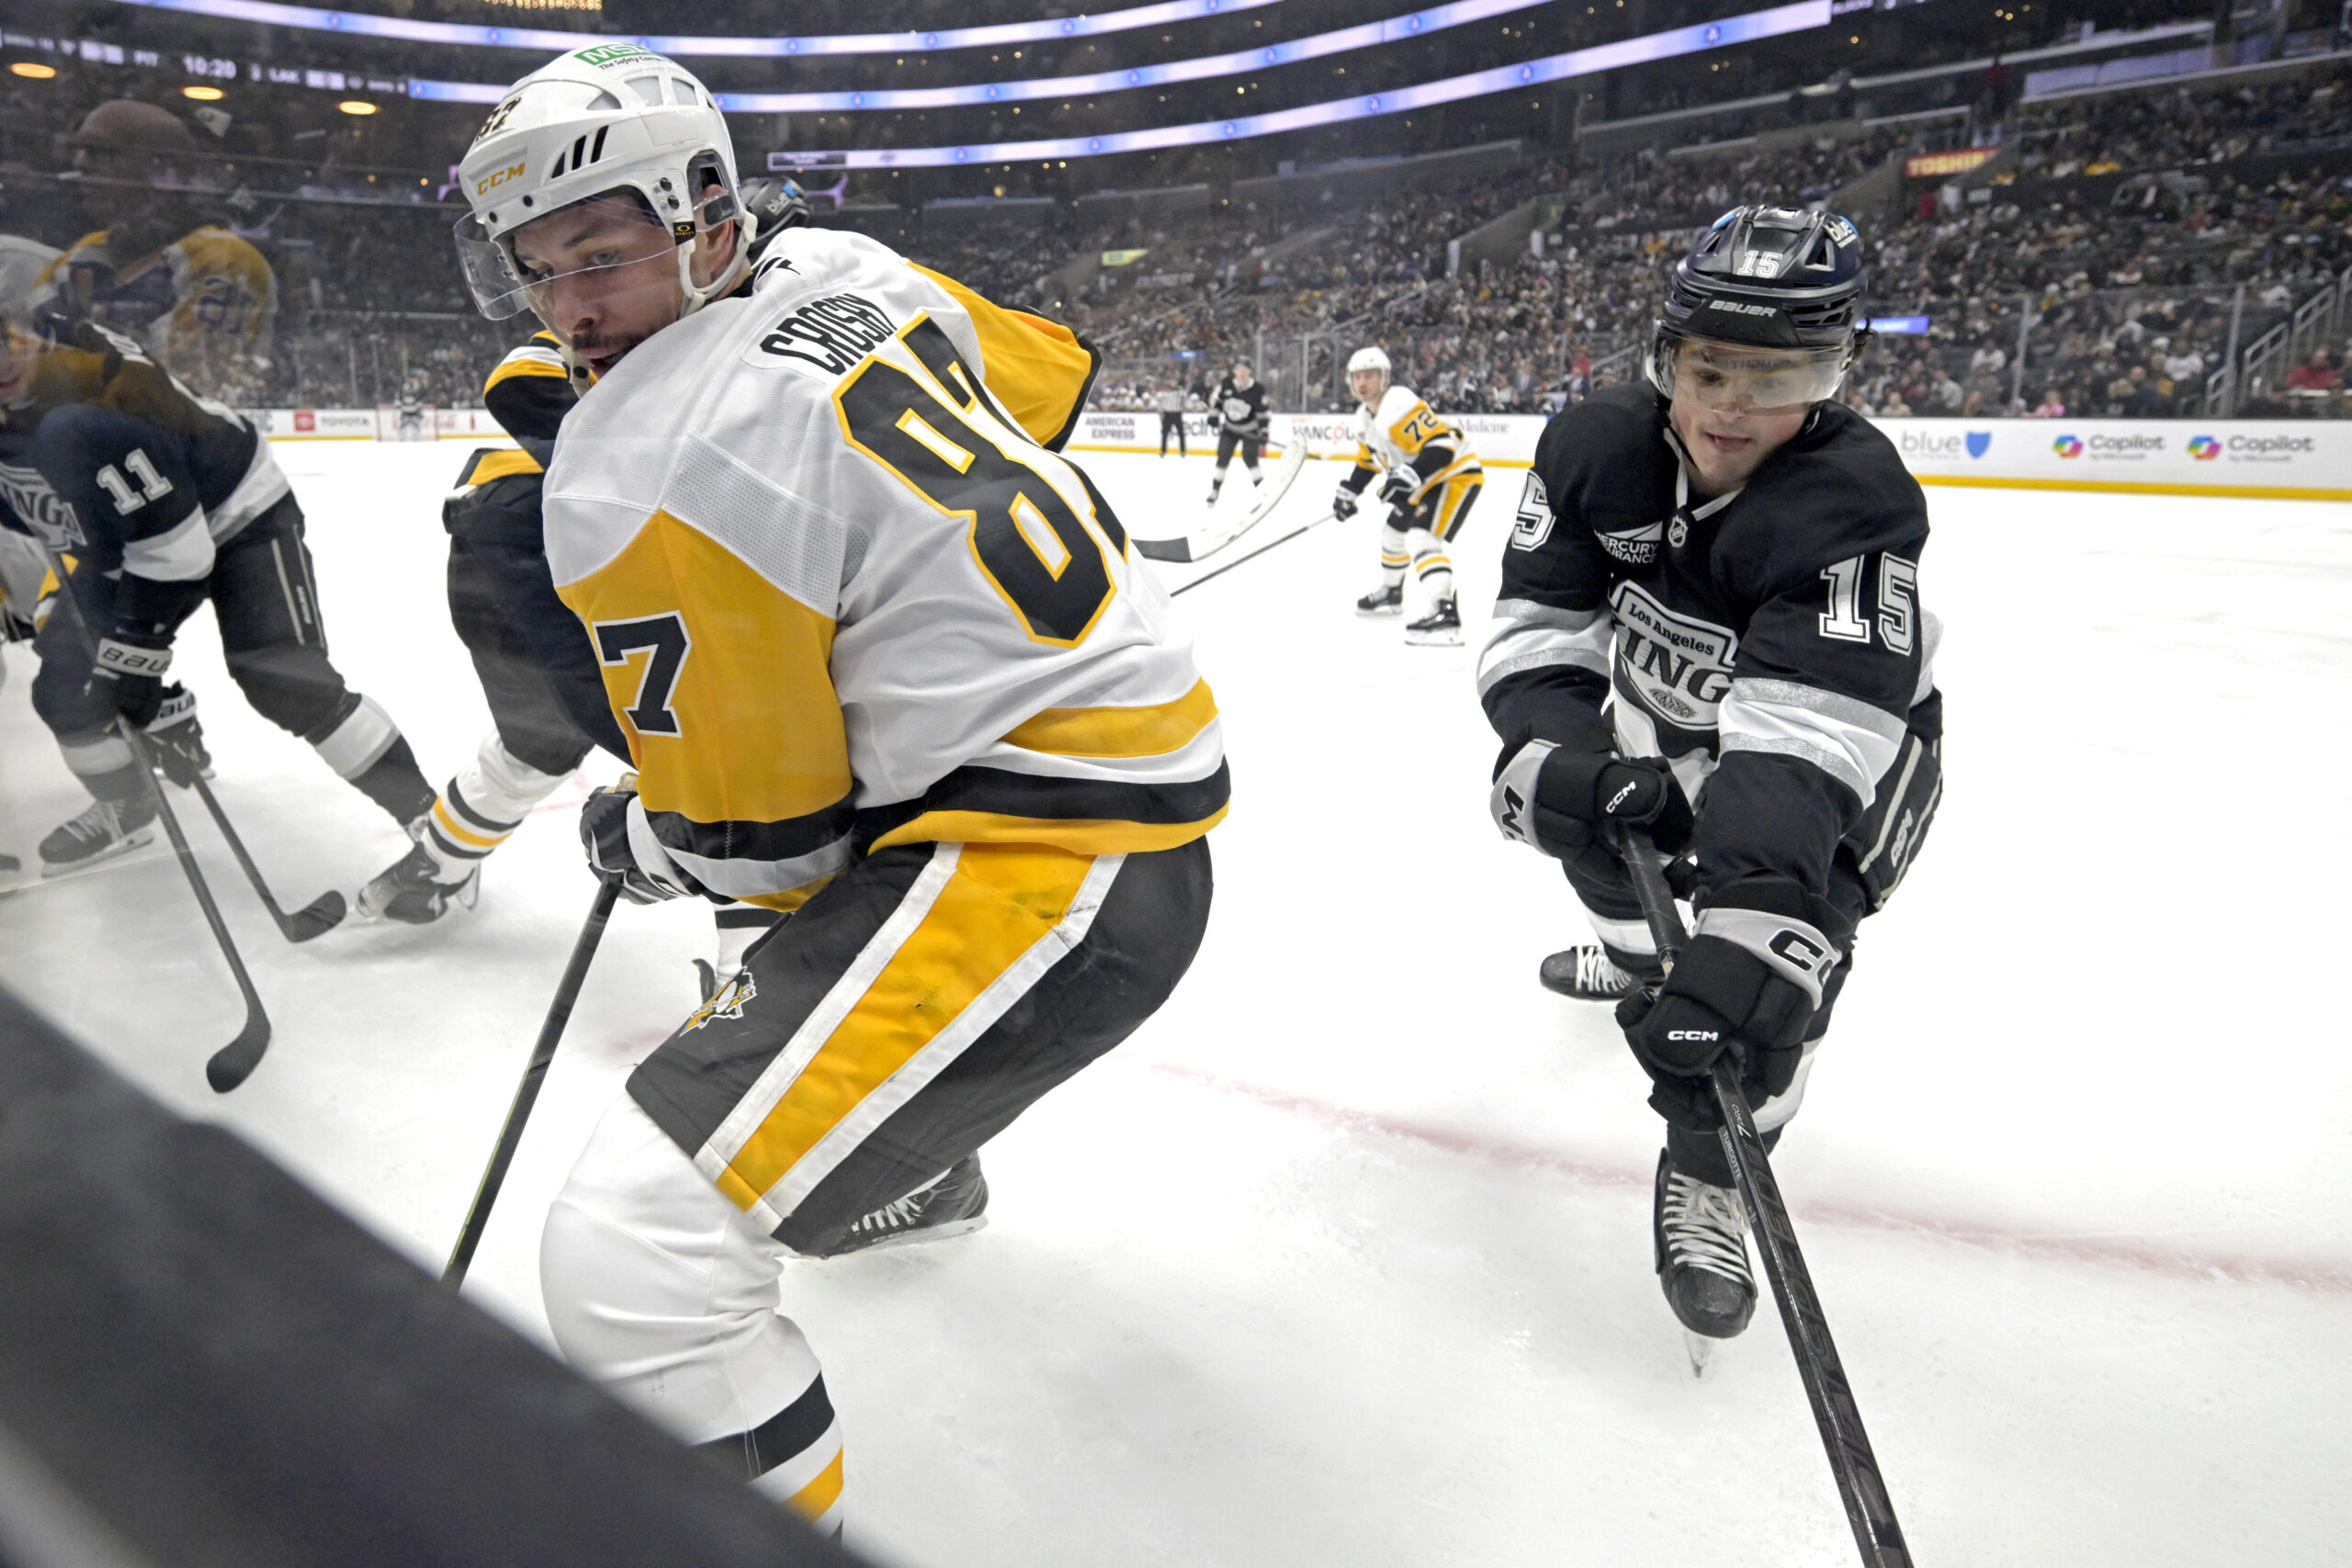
column 1979, row 442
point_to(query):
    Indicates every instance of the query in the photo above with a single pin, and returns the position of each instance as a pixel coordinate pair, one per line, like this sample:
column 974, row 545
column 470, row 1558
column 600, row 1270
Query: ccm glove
column 128, row 678
column 1344, row 503
column 1559, row 800
column 620, row 842
column 1749, row 985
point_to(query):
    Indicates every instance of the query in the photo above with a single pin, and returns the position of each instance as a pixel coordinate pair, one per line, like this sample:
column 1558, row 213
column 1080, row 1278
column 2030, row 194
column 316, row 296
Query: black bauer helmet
column 1766, row 309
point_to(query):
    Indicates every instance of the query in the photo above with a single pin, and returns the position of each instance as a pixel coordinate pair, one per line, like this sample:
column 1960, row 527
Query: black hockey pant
column 909, row 1013
column 266, row 603
column 533, row 724
column 1228, row 443
column 1173, row 424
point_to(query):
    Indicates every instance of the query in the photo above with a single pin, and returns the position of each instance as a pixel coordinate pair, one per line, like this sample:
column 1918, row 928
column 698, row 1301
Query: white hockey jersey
column 1403, row 435
column 846, row 596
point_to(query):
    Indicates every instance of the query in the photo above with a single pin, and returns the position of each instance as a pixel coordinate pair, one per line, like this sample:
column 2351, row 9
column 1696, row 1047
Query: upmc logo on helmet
column 2067, row 447
column 2204, row 448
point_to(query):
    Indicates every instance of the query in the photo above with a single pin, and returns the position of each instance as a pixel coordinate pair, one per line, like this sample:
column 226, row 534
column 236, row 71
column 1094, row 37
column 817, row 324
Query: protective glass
column 1742, row 377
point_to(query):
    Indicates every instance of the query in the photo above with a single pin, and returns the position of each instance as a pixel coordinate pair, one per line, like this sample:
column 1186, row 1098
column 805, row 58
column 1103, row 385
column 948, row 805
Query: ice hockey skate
column 951, row 1205
column 1441, row 627
column 1388, row 601
column 411, row 893
column 1585, row 972
column 1699, row 1238
column 104, row 828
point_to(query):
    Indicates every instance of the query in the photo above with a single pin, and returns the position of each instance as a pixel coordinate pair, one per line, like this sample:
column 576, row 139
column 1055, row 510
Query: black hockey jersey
column 1241, row 410
column 113, row 462
column 495, row 515
column 1770, row 643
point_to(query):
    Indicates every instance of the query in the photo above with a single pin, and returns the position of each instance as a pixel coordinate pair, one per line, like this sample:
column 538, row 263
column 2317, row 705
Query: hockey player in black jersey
column 155, row 501
column 1242, row 422
column 1729, row 561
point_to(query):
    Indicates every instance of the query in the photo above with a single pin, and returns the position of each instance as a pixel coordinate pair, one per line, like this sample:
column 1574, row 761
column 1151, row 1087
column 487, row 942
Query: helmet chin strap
column 737, row 267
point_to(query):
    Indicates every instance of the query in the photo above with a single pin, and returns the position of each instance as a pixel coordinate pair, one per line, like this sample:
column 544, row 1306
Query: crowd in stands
column 2108, row 265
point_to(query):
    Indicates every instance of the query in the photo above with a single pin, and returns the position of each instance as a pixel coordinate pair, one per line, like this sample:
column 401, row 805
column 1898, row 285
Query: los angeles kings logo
column 1677, row 667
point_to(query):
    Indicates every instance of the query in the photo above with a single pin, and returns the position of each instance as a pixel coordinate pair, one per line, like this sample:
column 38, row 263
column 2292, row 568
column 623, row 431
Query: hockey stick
column 1253, row 555
column 1209, row 538
column 233, row 1063
column 510, row 1136
column 317, row 918
column 1868, row 1508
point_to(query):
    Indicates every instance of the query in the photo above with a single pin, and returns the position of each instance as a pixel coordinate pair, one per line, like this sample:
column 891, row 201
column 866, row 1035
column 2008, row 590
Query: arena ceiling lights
column 1756, row 25
column 357, row 24
column 1395, row 30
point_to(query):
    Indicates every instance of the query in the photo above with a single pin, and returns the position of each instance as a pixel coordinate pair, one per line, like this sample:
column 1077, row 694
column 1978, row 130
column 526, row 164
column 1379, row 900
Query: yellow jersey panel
column 1039, row 370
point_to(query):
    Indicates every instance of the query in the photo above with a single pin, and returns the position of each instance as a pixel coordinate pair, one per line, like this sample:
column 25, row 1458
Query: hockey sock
column 368, row 749
column 100, row 755
column 1393, row 558
column 1432, row 565
column 794, row 1458
column 481, row 808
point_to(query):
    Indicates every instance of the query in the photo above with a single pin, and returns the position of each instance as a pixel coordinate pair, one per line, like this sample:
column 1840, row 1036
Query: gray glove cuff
column 1791, row 949
column 1512, row 800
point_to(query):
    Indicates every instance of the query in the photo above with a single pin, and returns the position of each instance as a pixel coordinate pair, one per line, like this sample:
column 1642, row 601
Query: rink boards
column 2275, row 459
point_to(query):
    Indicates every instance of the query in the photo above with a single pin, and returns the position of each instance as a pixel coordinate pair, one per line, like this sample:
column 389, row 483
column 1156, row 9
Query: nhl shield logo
column 727, row 1002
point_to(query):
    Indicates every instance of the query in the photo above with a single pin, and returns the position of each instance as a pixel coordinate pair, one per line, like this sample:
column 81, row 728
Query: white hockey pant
column 661, row 1291
column 480, row 809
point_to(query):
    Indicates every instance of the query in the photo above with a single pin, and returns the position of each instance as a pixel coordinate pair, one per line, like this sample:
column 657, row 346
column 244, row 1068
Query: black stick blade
column 1176, row 549
column 234, row 1063
column 317, row 918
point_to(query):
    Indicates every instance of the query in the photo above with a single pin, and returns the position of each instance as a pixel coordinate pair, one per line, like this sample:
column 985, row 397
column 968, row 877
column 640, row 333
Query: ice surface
column 1344, row 1258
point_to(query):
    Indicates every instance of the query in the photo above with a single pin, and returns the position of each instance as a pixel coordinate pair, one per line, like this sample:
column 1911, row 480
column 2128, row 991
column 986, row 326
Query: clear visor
column 503, row 286
column 1739, row 378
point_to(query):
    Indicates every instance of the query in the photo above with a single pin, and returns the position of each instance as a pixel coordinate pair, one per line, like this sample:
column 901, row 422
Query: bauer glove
column 620, row 843
column 128, row 678
column 1344, row 502
column 1749, row 984
column 178, row 739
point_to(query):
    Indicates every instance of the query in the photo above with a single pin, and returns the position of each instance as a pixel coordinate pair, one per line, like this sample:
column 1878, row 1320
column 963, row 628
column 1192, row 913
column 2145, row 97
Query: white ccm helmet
column 1375, row 358
column 595, row 120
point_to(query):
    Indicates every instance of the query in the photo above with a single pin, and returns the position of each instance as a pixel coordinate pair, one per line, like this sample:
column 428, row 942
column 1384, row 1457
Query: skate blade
column 137, row 839
column 1702, row 1351
column 706, row 978
column 1433, row 640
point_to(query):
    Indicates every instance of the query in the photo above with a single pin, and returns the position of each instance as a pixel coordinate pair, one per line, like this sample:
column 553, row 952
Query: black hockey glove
column 1559, row 800
column 1397, row 489
column 177, row 738
column 604, row 834
column 128, row 678
column 1749, row 984
column 1344, row 502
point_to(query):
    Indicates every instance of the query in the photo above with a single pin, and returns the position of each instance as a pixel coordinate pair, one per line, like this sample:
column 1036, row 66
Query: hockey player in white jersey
column 1431, row 479
column 882, row 658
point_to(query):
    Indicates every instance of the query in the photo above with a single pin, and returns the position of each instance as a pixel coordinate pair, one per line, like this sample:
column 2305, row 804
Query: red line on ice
column 2334, row 1278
